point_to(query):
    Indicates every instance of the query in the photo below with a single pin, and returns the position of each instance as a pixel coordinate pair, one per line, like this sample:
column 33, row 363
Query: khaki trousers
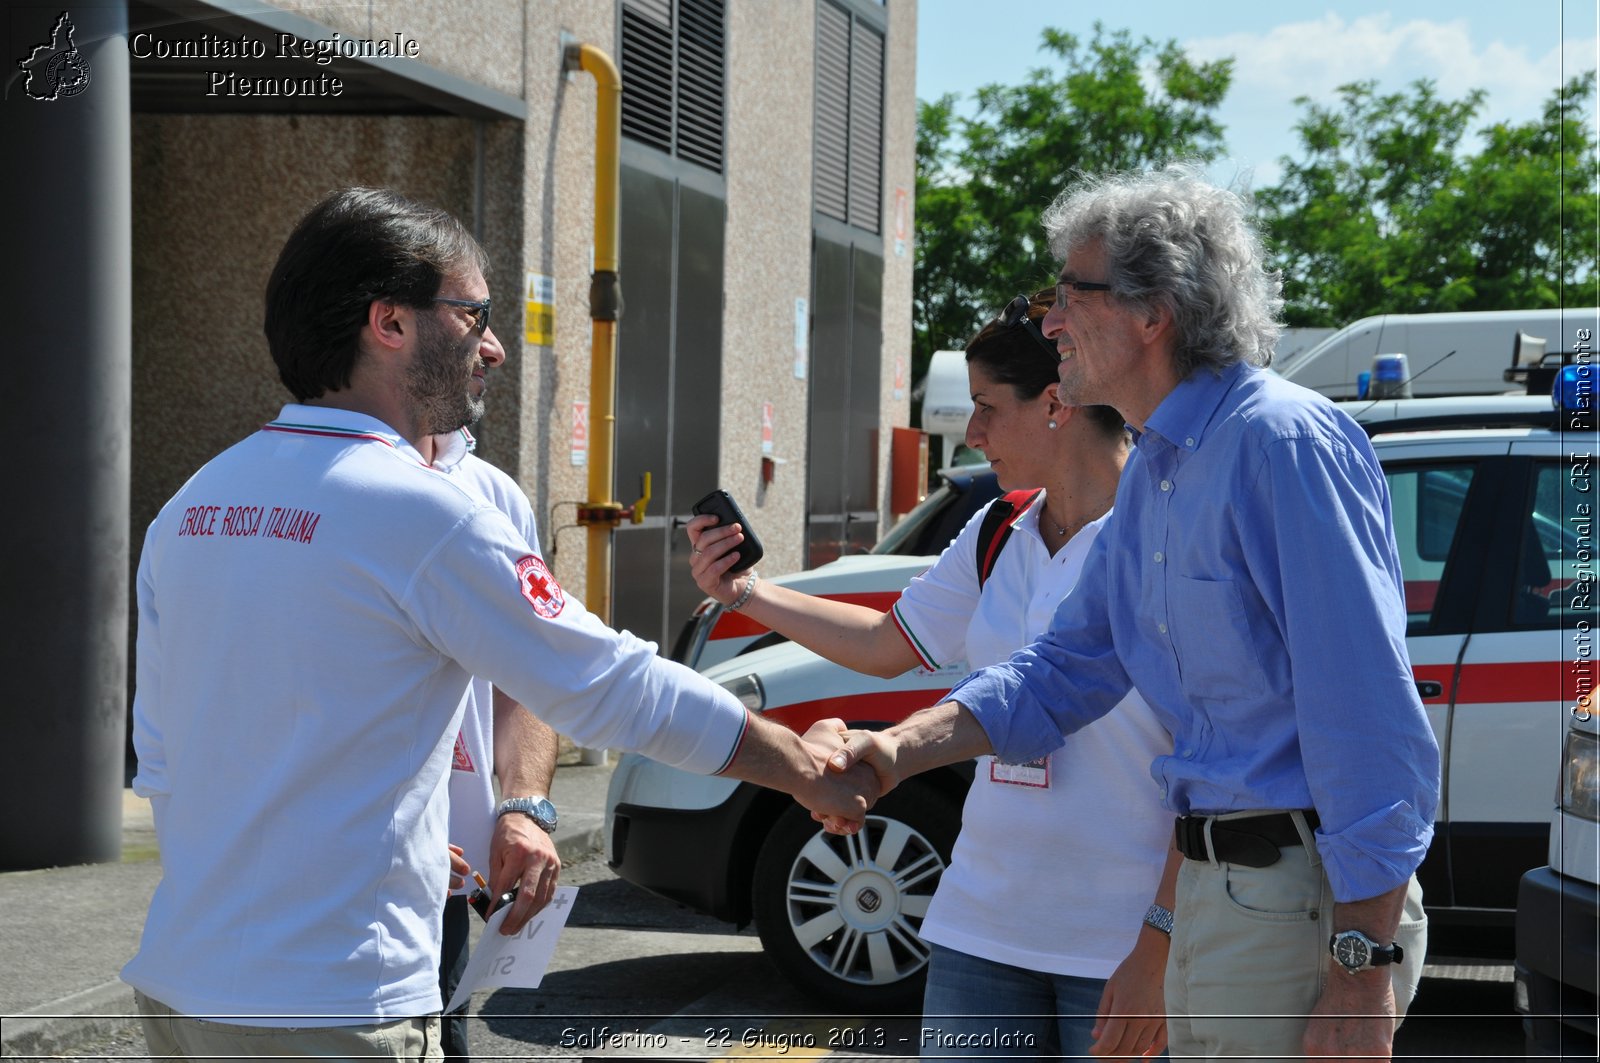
column 1250, row 952
column 170, row 1035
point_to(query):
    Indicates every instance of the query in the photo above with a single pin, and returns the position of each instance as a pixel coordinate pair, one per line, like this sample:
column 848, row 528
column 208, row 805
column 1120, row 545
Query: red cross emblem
column 463, row 759
column 540, row 587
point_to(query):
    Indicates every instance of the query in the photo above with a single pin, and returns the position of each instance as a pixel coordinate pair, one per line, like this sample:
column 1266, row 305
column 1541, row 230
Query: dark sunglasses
column 479, row 308
column 1016, row 313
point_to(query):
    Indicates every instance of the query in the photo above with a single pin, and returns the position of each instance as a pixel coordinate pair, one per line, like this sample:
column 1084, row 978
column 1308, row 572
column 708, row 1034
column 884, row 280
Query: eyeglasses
column 479, row 308
column 1016, row 313
column 1077, row 286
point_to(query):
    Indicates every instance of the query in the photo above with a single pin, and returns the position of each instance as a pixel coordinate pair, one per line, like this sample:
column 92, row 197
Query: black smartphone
column 721, row 505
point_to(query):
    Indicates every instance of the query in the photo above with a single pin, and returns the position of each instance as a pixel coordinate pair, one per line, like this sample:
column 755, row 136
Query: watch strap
column 1159, row 918
column 1377, row 955
column 539, row 809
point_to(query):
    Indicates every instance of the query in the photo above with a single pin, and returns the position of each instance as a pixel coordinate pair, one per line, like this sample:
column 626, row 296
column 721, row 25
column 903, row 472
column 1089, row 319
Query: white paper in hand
column 518, row 961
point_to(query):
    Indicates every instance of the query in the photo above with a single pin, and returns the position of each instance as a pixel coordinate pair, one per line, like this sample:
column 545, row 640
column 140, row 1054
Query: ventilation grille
column 674, row 78
column 866, row 127
column 646, row 79
column 848, row 125
column 702, row 48
column 832, row 121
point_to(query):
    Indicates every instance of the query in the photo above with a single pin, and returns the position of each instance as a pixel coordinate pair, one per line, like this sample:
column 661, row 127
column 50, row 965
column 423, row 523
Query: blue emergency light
column 1573, row 395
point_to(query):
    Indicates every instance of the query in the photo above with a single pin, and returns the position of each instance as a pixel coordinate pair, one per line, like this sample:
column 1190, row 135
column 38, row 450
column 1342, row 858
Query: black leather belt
column 1253, row 841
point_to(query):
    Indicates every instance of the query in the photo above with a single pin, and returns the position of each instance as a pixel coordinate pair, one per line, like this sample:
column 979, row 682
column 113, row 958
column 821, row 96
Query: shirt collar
column 331, row 421
column 1185, row 415
column 451, row 449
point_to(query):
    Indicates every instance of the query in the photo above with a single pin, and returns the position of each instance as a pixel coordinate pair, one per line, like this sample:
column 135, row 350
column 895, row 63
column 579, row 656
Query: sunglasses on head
column 1016, row 313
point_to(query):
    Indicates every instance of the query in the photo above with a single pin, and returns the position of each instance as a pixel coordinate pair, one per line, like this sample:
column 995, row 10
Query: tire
column 840, row 915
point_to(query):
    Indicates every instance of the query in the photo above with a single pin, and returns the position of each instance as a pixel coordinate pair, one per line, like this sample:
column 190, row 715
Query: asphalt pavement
column 66, row 932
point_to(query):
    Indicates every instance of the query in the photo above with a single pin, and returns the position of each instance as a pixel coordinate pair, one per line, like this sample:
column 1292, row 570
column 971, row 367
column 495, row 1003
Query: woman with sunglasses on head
column 1036, row 925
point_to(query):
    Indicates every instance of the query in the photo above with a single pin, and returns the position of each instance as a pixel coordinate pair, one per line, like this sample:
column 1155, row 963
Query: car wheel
column 840, row 914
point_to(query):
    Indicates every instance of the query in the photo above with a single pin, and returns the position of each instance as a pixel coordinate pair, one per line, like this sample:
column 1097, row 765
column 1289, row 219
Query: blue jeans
column 976, row 1007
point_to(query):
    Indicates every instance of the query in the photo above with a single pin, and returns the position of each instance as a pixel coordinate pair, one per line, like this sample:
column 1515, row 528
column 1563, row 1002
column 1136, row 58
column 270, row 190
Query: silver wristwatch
column 1356, row 952
column 538, row 809
column 1160, row 918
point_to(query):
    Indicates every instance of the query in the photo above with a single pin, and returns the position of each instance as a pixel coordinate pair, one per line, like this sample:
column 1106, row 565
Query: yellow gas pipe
column 602, row 513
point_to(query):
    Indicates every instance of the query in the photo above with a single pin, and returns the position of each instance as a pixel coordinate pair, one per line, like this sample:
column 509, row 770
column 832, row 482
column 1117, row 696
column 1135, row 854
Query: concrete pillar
column 65, row 313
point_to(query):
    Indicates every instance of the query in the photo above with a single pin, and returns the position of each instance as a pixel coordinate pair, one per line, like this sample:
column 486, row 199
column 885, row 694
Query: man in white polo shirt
column 312, row 606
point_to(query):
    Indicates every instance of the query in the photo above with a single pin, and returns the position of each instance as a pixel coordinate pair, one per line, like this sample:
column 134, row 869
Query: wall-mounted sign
column 802, row 338
column 539, row 315
column 580, row 433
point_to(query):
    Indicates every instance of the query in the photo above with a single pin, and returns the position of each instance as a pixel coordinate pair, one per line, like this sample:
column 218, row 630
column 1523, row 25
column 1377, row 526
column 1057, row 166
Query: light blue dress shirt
column 1248, row 585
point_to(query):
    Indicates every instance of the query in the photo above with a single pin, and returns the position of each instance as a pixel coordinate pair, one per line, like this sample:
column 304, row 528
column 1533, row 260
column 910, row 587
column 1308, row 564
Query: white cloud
column 1313, row 58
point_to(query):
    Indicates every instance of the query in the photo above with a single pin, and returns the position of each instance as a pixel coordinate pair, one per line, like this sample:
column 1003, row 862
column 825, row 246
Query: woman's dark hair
column 1010, row 355
column 357, row 245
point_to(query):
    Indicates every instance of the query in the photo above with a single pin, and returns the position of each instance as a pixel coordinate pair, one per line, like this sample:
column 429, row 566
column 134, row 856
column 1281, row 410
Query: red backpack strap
column 996, row 528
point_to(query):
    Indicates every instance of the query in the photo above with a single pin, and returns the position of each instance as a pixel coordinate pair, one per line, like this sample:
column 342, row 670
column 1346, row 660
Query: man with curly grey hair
column 1249, row 587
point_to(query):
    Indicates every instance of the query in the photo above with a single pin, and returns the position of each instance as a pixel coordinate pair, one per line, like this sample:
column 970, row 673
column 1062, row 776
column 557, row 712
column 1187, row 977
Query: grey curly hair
column 1174, row 239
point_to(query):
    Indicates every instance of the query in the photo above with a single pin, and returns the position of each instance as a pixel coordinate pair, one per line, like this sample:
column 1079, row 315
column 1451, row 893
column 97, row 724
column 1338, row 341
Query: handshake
column 851, row 770
column 838, row 774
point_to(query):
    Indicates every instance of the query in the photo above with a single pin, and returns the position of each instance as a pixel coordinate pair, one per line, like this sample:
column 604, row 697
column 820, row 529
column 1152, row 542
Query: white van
column 1483, row 342
column 947, row 402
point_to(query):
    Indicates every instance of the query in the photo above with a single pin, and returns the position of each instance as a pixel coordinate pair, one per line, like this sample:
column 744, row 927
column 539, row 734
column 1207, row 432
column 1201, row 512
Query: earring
column 1053, row 423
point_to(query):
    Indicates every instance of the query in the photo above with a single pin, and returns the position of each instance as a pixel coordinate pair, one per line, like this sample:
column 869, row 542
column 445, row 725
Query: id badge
column 1035, row 773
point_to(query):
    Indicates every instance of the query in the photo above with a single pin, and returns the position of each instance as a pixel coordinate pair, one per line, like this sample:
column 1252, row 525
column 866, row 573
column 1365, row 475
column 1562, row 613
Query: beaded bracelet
column 749, row 589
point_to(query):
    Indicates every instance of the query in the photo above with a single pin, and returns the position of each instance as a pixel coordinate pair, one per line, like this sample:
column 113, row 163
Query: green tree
column 983, row 181
column 1385, row 213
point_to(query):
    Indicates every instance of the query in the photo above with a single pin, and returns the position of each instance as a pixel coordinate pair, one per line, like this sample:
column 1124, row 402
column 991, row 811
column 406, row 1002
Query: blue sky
column 1516, row 50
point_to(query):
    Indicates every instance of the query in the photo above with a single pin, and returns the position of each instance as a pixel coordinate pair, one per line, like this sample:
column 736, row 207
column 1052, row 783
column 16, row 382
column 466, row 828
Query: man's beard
column 439, row 380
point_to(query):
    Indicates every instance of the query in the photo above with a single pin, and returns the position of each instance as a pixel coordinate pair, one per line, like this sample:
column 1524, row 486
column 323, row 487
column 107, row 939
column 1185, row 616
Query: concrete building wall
column 214, row 197
column 557, row 191
column 899, row 190
column 771, row 67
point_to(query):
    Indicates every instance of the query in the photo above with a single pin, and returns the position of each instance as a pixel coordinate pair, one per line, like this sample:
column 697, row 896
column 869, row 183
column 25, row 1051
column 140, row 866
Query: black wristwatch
column 1357, row 952
column 538, row 809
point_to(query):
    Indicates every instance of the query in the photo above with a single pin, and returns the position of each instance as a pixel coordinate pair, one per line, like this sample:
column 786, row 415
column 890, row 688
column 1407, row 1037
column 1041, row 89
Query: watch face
column 1351, row 951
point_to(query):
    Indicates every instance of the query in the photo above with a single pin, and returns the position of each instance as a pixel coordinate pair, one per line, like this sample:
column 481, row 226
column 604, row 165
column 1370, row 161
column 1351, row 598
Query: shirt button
column 1159, row 557
column 1189, row 442
column 1161, row 628
column 1166, row 485
column 1187, row 753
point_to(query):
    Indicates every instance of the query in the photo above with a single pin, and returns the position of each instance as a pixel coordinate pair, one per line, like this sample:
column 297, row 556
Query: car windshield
column 939, row 518
column 911, row 526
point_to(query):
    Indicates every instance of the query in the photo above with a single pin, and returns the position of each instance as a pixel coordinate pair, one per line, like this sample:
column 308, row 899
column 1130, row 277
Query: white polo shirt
column 1057, row 860
column 312, row 605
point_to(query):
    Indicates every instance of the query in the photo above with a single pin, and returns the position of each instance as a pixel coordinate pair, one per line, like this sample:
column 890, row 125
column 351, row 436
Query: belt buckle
column 1189, row 835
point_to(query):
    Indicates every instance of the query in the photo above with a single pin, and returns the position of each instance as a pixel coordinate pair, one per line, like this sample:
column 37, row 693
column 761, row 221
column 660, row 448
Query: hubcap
column 856, row 902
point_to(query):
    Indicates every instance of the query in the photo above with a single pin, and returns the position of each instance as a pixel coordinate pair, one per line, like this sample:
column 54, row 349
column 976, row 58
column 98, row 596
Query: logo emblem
column 540, row 587
column 463, row 759
column 57, row 69
column 869, row 900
